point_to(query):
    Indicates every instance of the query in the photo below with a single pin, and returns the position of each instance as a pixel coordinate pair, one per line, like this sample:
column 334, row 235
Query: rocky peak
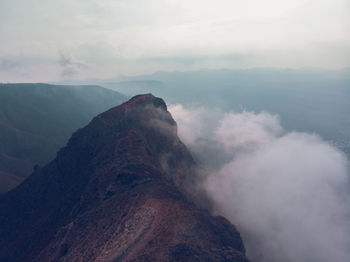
column 115, row 193
column 140, row 106
column 146, row 99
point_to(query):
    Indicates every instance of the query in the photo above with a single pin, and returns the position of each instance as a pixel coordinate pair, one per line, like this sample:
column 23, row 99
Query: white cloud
column 190, row 123
column 247, row 129
column 288, row 193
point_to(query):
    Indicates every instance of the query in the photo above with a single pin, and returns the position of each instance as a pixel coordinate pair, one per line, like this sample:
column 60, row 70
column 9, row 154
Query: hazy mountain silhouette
column 132, row 88
column 38, row 119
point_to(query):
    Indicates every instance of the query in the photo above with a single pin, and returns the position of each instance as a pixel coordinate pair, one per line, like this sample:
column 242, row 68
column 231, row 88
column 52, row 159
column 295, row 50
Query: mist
column 287, row 192
column 99, row 38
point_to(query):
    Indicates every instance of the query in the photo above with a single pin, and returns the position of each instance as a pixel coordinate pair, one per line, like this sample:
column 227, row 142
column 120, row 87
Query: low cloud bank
column 288, row 193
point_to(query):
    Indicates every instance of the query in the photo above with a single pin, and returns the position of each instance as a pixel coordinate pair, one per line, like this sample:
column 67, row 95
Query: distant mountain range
column 117, row 192
column 38, row 119
column 307, row 100
column 132, row 88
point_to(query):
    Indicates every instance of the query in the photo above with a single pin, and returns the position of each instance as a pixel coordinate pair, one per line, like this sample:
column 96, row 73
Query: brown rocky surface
column 115, row 193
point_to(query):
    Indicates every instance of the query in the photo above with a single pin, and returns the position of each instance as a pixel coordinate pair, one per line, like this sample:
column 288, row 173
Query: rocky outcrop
column 115, row 193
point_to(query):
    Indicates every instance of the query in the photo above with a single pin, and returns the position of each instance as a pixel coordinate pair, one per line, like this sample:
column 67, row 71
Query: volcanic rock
column 115, row 193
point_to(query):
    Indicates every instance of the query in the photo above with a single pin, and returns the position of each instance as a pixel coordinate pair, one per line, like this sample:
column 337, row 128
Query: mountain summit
column 115, row 193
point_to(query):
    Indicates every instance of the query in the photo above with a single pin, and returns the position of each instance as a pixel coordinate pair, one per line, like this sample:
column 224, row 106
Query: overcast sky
column 47, row 40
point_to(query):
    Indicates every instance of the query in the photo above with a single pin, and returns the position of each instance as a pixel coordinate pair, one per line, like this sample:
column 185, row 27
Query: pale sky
column 47, row 40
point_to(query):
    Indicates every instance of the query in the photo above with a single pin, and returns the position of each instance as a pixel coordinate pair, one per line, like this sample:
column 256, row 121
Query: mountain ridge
column 115, row 193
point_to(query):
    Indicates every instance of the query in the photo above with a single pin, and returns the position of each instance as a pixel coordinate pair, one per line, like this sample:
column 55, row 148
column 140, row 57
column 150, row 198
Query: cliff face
column 112, row 194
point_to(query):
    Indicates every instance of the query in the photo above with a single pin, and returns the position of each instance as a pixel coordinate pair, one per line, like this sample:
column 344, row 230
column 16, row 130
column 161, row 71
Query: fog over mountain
column 274, row 149
column 288, row 192
column 260, row 92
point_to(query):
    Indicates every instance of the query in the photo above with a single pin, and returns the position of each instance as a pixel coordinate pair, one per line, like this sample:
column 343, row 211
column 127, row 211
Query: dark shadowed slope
column 38, row 119
column 112, row 195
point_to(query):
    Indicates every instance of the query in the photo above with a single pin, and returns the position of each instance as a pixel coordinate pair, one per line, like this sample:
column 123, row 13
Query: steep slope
column 112, row 194
column 38, row 119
